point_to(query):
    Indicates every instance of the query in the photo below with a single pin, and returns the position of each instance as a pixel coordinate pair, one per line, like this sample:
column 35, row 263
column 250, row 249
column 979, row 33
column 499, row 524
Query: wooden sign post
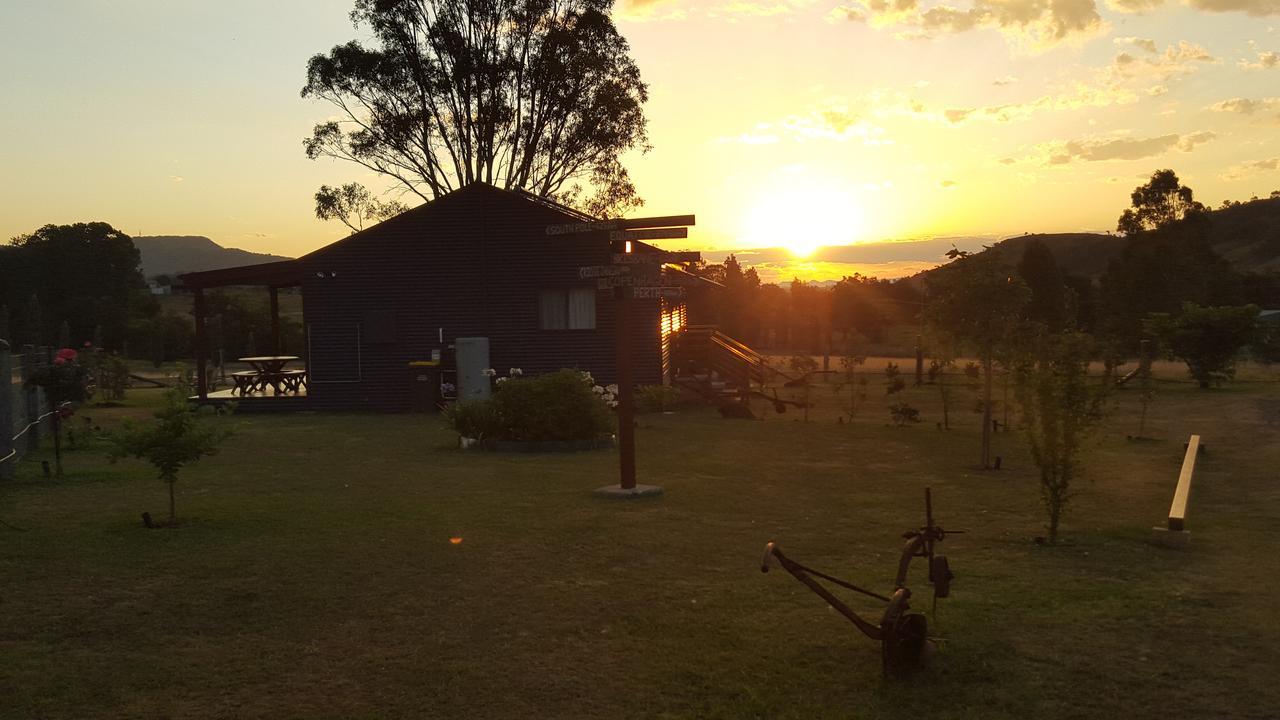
column 631, row 276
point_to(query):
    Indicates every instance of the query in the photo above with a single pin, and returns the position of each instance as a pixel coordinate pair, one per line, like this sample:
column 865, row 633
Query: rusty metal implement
column 904, row 642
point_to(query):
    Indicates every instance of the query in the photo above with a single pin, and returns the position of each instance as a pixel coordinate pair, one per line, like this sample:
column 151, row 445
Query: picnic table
column 269, row 370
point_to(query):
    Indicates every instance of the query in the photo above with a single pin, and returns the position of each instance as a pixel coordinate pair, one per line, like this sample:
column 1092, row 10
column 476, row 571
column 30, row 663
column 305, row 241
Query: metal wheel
column 903, row 644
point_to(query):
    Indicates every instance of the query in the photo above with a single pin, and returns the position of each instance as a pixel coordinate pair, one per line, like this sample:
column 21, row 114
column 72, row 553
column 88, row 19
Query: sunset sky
column 780, row 123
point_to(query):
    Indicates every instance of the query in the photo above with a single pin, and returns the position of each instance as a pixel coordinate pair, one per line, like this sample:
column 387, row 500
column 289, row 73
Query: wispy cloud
column 1266, row 60
column 1256, row 8
column 1120, row 148
column 1035, row 24
column 833, row 123
column 1253, row 167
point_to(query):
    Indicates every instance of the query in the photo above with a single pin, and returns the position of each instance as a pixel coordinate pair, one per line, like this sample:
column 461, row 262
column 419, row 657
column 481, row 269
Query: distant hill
column 170, row 254
column 1246, row 235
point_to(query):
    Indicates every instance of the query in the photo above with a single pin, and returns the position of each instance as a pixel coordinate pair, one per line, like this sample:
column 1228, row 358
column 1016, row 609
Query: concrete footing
column 1171, row 538
column 617, row 491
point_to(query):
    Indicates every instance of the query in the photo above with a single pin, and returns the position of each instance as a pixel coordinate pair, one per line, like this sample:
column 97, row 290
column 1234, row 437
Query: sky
column 779, row 123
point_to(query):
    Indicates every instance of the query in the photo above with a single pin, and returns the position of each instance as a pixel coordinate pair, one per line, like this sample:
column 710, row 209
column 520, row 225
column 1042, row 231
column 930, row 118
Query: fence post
column 45, row 359
column 29, row 397
column 6, row 412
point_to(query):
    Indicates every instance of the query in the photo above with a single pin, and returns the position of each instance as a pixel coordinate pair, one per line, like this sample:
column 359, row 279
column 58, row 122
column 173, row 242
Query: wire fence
column 25, row 414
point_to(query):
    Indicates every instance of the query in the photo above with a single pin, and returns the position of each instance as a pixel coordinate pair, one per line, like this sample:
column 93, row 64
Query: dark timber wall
column 471, row 263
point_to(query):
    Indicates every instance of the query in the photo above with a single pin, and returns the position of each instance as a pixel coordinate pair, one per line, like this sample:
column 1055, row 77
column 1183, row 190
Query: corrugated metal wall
column 470, row 264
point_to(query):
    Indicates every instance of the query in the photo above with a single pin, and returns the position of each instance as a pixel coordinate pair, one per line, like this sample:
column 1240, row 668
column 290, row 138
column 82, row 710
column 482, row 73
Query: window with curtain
column 573, row 309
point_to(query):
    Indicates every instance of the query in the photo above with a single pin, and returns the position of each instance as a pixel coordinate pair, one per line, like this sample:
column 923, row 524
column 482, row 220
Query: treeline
column 68, row 285
column 803, row 317
column 1167, row 260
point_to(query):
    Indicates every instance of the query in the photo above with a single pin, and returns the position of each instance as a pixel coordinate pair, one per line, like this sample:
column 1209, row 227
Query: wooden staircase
column 716, row 366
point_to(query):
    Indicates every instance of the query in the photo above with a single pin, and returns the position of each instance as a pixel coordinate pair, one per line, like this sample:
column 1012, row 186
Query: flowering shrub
column 65, row 380
column 562, row 406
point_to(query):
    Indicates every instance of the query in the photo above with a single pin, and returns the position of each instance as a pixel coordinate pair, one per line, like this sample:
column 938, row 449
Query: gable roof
column 480, row 189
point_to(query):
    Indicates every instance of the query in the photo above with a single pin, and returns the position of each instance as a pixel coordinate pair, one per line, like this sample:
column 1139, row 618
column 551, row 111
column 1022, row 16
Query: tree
column 353, row 205
column 86, row 275
column 539, row 95
column 977, row 300
column 1060, row 407
column 175, row 438
column 1162, row 201
column 1159, row 270
column 1048, row 302
column 1207, row 339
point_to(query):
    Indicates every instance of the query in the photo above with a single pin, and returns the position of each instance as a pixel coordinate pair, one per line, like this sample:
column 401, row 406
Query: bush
column 472, row 419
column 656, row 398
column 903, row 413
column 561, row 406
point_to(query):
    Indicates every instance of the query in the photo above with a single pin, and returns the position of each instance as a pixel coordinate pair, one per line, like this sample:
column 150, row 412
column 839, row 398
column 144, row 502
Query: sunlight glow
column 803, row 215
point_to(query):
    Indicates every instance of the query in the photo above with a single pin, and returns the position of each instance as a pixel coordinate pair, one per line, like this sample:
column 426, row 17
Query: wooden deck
column 258, row 402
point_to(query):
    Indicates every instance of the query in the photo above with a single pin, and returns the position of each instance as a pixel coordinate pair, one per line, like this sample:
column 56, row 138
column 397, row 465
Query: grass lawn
column 314, row 577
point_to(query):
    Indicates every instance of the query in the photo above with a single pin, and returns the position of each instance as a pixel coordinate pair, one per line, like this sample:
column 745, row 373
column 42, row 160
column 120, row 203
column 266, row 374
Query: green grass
column 313, row 575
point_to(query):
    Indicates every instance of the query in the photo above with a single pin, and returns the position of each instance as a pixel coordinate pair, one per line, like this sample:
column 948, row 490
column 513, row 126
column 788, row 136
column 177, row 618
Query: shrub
column 903, row 413
column 472, row 418
column 656, row 398
column 175, row 438
column 561, row 406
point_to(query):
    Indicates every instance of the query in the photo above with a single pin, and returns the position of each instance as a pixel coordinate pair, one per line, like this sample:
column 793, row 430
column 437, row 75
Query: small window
column 573, row 309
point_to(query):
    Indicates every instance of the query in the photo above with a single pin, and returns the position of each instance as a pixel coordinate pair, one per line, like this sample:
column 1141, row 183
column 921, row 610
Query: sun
column 803, row 217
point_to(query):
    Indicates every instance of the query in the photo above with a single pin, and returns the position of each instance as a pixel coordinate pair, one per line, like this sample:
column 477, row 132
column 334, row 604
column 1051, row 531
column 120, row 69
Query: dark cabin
column 477, row 262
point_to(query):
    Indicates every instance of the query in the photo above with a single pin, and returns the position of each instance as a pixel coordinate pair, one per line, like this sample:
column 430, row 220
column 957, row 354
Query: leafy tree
column 854, row 308
column 1061, row 408
column 1162, row 201
column 353, row 205
column 978, row 300
column 1207, row 339
column 174, row 439
column 539, row 95
column 86, row 275
column 1157, row 271
column 1048, row 302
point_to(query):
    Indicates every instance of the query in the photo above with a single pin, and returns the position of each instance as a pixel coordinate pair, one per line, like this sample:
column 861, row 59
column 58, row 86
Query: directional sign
column 653, row 293
column 598, row 271
column 657, row 258
column 674, row 233
column 628, row 224
column 584, row 227
column 606, row 283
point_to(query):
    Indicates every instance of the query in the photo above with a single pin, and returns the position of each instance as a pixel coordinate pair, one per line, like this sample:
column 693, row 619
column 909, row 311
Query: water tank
column 473, row 360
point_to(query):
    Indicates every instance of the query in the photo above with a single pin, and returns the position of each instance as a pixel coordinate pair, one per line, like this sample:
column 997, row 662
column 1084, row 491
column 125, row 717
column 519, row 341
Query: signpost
column 631, row 276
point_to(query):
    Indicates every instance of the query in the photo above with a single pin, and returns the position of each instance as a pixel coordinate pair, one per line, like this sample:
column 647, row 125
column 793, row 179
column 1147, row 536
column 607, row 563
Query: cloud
column 1074, row 97
column 1143, row 43
column 1031, row 23
column 1134, row 6
column 1181, row 59
column 640, row 10
column 1256, row 8
column 1265, row 110
column 1121, row 148
column 834, row 123
column 1245, row 106
column 643, row 10
column 1253, row 167
column 1267, row 60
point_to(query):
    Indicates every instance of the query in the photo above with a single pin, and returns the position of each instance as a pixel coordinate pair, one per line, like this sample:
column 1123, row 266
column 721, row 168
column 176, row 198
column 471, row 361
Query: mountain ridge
column 174, row 254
